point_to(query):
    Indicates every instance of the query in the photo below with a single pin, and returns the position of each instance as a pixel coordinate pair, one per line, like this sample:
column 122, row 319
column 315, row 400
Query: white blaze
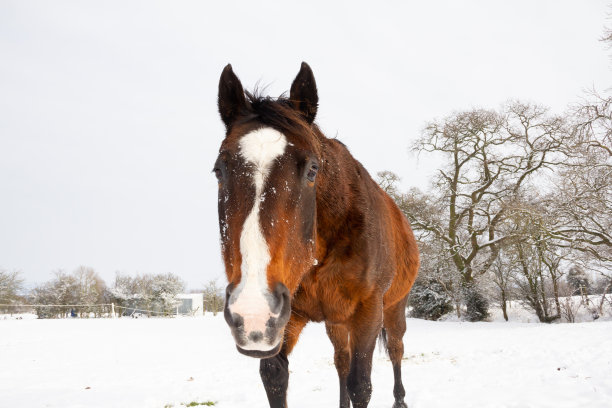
column 260, row 148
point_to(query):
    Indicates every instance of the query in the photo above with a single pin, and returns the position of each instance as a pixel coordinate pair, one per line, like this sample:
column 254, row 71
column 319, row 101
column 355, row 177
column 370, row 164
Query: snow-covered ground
column 161, row 362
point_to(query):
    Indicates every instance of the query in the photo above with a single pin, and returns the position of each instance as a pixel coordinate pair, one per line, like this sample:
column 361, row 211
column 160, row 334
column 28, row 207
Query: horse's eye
column 217, row 172
column 312, row 172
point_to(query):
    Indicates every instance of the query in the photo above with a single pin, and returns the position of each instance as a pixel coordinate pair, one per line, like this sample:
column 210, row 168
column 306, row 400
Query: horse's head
column 267, row 169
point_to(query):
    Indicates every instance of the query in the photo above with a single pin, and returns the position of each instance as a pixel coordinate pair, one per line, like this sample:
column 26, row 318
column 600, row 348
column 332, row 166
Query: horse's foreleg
column 364, row 328
column 274, row 371
column 338, row 334
column 394, row 322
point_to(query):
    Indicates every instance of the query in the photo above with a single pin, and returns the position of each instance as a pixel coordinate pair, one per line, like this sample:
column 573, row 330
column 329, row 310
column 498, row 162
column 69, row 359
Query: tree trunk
column 556, row 293
column 503, row 305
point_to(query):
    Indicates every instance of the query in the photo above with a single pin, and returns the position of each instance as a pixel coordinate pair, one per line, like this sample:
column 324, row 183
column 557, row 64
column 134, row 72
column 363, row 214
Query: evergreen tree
column 476, row 303
column 578, row 280
column 429, row 300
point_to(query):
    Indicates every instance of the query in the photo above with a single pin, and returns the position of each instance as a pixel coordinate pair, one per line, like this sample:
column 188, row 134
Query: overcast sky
column 108, row 120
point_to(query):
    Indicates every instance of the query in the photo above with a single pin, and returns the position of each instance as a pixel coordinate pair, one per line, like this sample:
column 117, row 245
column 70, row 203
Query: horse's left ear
column 231, row 100
column 303, row 93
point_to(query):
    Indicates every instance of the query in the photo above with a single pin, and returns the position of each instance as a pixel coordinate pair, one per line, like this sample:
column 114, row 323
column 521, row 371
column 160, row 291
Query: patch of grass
column 193, row 404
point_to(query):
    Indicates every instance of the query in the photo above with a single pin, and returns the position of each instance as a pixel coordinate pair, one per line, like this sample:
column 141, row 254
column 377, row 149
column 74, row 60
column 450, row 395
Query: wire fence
column 48, row 305
column 108, row 309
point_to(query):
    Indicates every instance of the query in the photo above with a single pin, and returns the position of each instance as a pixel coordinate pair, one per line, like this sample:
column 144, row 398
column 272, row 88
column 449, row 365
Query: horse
column 307, row 235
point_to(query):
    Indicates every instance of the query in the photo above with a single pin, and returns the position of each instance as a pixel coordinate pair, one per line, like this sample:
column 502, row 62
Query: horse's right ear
column 303, row 93
column 232, row 101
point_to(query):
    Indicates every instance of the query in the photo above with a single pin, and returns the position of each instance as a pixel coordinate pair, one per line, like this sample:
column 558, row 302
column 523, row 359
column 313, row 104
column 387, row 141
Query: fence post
column 112, row 310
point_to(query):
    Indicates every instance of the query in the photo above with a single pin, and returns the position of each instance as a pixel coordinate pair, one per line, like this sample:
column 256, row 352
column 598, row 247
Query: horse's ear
column 231, row 96
column 303, row 93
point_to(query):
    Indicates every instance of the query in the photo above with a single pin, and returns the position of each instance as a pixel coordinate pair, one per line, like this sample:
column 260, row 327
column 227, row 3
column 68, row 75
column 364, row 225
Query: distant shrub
column 578, row 280
column 477, row 305
column 428, row 299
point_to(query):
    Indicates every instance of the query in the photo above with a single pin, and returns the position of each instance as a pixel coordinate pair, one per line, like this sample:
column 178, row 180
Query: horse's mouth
column 260, row 353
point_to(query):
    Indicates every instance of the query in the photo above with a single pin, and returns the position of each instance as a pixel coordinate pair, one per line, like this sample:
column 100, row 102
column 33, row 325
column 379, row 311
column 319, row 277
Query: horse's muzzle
column 258, row 332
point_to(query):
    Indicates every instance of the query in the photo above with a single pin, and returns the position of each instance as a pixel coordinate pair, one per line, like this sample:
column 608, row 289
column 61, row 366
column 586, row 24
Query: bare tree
column 150, row 294
column 11, row 284
column 587, row 182
column 490, row 156
column 503, row 276
column 427, row 214
column 213, row 297
column 582, row 195
column 90, row 290
column 60, row 290
column 533, row 256
column 388, row 180
column 123, row 291
column 165, row 289
column 593, row 122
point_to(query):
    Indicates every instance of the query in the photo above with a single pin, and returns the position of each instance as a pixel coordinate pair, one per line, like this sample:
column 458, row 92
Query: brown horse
column 307, row 235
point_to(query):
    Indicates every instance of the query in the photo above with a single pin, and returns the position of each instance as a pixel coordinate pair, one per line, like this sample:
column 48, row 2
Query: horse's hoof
column 400, row 404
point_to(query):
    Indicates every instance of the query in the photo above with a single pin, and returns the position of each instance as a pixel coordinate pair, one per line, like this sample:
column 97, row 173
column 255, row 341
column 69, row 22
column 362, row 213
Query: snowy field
column 157, row 363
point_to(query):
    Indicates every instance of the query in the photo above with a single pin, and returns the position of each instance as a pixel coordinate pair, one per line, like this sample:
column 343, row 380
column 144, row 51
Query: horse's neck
column 336, row 199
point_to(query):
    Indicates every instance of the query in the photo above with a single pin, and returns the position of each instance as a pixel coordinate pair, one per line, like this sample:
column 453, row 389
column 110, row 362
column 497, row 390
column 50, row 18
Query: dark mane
column 280, row 114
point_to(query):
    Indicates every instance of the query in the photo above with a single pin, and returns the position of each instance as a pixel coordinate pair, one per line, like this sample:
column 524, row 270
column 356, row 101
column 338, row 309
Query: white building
column 192, row 304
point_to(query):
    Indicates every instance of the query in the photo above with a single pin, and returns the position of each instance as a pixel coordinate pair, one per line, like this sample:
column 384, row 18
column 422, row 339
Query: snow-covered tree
column 123, row 290
column 153, row 294
column 476, row 303
column 578, row 280
column 429, row 299
column 79, row 291
column 213, row 297
column 165, row 288
column 11, row 284
column 502, row 277
column 91, row 290
column 61, row 290
column 489, row 156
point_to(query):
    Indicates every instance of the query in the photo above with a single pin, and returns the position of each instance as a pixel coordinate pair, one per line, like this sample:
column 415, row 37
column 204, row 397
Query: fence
column 108, row 309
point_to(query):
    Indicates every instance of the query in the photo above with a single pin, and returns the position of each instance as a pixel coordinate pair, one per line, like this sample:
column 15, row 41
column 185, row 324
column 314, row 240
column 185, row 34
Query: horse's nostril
column 228, row 290
column 226, row 311
column 281, row 297
column 272, row 324
column 238, row 321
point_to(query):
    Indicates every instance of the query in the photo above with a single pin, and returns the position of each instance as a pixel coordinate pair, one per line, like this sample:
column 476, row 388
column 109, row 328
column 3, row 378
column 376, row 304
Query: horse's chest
column 322, row 296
